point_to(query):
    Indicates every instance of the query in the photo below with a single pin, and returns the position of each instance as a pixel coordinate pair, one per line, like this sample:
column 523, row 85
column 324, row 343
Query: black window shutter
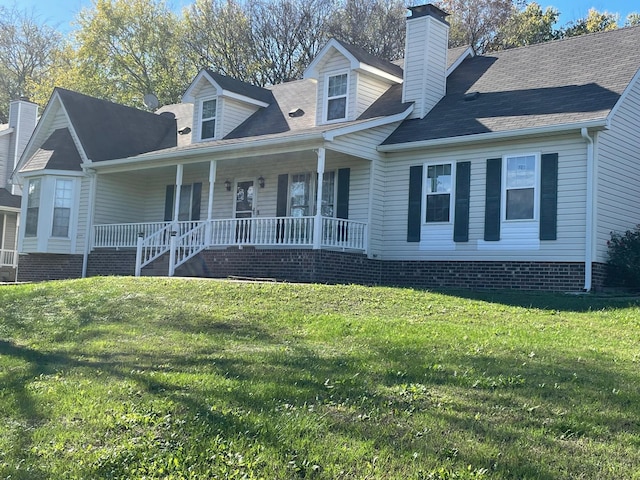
column 549, row 196
column 492, row 200
column 196, row 196
column 281, row 200
column 168, row 204
column 415, row 204
column 342, row 206
column 461, row 211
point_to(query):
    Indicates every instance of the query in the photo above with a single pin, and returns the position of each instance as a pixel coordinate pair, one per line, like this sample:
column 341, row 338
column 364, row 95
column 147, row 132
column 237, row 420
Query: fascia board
column 467, row 53
column 491, row 136
column 376, row 122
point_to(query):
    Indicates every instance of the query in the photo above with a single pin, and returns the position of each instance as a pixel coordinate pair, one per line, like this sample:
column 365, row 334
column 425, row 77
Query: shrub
column 624, row 259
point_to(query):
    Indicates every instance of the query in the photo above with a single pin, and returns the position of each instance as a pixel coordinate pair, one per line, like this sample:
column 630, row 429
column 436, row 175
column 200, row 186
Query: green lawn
column 172, row 378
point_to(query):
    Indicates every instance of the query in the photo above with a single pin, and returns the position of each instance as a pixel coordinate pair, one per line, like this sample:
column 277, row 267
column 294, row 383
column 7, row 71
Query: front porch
column 183, row 240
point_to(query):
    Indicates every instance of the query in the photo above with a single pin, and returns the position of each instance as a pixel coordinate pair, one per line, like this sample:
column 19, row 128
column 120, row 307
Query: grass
column 191, row 379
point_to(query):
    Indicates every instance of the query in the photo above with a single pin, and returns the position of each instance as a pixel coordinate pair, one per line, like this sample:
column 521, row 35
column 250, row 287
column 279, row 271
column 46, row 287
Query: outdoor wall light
column 261, row 181
column 227, row 185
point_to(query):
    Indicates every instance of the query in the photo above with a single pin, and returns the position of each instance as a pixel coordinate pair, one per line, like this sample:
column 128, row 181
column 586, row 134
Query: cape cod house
column 503, row 170
column 14, row 136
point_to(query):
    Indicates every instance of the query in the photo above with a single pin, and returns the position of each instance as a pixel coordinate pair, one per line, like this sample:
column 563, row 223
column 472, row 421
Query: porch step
column 194, row 267
column 158, row 268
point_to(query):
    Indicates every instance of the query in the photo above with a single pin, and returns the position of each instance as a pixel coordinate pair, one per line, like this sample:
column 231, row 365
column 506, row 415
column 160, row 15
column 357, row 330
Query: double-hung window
column 520, row 187
column 33, row 208
column 208, row 119
column 62, row 208
column 337, row 97
column 439, row 187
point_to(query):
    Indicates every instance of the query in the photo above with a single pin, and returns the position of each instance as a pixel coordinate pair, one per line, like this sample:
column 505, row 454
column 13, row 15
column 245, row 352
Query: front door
column 244, row 207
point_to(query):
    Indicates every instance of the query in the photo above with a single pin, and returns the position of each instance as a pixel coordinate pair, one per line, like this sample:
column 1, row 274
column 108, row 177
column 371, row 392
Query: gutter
column 257, row 145
column 588, row 248
column 490, row 136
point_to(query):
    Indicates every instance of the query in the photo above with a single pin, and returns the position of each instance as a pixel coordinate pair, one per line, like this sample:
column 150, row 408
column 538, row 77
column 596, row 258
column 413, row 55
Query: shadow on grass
column 562, row 302
column 508, row 415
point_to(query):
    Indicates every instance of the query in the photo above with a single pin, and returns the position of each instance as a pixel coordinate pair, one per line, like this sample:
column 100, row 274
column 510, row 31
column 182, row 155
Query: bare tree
column 26, row 51
column 377, row 26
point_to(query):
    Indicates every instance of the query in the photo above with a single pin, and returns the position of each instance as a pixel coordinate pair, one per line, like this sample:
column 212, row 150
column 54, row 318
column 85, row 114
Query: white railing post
column 172, row 253
column 139, row 254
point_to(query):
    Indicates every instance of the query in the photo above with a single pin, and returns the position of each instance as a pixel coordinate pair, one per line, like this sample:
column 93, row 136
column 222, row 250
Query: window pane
column 337, row 85
column 33, row 204
column 328, row 194
column 438, row 208
column 208, row 109
column 337, row 108
column 208, row 129
column 299, row 192
column 61, row 218
column 184, row 212
column 439, row 178
column 521, row 171
column 520, row 204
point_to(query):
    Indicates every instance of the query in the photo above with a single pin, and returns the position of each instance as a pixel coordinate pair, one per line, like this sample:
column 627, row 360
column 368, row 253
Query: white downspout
column 89, row 228
column 588, row 254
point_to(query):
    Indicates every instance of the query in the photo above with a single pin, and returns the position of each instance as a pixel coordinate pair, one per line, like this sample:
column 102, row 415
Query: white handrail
column 8, row 258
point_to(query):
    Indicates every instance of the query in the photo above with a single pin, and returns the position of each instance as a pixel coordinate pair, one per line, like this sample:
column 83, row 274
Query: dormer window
column 208, row 119
column 337, row 97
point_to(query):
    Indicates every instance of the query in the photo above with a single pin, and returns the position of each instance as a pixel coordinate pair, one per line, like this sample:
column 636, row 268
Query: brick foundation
column 336, row 267
column 329, row 267
column 37, row 267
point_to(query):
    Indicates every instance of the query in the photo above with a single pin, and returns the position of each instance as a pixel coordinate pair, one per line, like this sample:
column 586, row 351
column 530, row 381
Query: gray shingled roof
column 9, row 200
column 368, row 59
column 241, row 88
column 58, row 152
column 565, row 81
column 287, row 97
column 109, row 130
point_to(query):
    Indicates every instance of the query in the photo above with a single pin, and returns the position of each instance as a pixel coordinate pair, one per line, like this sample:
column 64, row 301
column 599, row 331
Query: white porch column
column 317, row 221
column 176, row 208
column 213, row 168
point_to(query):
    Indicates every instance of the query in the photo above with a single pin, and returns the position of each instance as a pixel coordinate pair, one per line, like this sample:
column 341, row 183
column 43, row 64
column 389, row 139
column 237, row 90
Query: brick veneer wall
column 37, row 267
column 337, row 267
column 111, row 262
column 328, row 267
column 7, row 274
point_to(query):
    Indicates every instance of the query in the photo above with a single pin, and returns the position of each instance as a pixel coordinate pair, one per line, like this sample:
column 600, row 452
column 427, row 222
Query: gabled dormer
column 222, row 103
column 349, row 81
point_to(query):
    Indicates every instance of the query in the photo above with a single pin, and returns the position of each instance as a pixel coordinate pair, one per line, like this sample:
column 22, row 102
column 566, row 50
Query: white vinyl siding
column 5, row 167
column 233, row 113
column 571, row 203
column 618, row 173
column 369, row 89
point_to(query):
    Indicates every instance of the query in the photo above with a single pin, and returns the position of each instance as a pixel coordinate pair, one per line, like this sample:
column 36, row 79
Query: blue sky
column 61, row 12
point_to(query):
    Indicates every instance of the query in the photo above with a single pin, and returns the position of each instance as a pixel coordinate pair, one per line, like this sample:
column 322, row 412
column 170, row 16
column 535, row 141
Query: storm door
column 244, row 208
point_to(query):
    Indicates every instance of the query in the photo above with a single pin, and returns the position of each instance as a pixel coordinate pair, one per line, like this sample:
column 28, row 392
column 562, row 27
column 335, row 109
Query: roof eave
column 373, row 123
column 490, row 136
column 256, row 146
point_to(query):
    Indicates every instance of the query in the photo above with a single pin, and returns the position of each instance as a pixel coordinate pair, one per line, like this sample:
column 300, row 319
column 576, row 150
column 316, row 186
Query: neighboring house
column 507, row 170
column 14, row 136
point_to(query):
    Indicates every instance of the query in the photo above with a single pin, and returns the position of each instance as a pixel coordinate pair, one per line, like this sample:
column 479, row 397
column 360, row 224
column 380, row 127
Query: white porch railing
column 183, row 240
column 267, row 231
column 8, row 258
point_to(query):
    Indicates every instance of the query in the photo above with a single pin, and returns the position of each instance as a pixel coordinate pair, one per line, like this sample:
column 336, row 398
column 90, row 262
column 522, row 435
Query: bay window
column 63, row 197
column 33, row 208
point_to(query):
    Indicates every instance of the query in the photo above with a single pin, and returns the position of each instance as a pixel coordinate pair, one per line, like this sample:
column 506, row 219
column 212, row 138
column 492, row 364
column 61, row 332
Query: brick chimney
column 425, row 58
